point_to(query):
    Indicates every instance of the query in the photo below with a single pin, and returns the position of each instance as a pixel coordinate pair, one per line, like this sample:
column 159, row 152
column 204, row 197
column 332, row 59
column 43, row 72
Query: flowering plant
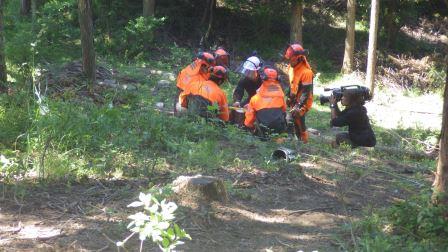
column 156, row 222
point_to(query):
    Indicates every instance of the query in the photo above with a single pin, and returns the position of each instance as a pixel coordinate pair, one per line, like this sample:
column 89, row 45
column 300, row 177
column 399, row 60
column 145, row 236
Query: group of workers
column 267, row 101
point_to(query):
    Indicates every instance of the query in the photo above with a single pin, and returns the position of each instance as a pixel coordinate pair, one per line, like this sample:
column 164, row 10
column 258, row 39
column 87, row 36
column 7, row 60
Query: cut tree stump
column 199, row 190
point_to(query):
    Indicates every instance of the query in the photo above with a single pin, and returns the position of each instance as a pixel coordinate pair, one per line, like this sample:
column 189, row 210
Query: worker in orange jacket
column 300, row 95
column 222, row 57
column 198, row 70
column 267, row 107
column 200, row 96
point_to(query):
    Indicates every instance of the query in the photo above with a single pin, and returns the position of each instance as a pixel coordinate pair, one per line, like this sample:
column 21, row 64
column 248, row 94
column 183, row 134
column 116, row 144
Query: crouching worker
column 266, row 110
column 198, row 70
column 206, row 98
column 354, row 116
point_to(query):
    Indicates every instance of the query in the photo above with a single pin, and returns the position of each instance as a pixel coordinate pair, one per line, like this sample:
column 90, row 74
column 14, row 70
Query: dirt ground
column 305, row 206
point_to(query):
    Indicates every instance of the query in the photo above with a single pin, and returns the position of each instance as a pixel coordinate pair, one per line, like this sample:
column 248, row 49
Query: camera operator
column 354, row 116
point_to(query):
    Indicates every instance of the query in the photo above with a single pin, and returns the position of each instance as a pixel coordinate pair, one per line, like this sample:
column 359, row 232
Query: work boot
column 304, row 136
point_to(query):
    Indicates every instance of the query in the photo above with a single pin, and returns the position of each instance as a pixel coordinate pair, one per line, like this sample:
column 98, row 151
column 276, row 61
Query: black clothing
column 271, row 120
column 248, row 85
column 198, row 105
column 359, row 129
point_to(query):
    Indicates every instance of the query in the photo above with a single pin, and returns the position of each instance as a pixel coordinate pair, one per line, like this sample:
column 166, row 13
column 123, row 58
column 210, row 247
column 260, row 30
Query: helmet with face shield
column 250, row 67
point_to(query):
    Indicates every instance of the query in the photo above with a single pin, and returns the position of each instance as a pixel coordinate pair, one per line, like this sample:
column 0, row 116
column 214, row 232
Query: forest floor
column 295, row 208
column 308, row 205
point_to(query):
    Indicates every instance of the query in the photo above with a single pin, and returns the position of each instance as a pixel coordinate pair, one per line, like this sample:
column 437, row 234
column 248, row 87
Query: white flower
column 136, row 204
column 145, row 199
column 139, row 219
column 119, row 244
column 168, row 210
column 153, row 209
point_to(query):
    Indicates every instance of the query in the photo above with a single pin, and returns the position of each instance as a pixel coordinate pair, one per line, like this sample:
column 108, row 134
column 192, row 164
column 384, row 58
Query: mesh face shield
column 250, row 67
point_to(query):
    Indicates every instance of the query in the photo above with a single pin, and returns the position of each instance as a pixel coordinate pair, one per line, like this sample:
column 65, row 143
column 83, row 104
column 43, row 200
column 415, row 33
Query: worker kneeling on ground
column 266, row 110
column 206, row 98
column 198, row 70
column 300, row 95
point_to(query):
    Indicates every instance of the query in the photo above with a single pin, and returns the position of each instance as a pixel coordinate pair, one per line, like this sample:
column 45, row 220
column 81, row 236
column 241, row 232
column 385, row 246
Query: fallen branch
column 308, row 210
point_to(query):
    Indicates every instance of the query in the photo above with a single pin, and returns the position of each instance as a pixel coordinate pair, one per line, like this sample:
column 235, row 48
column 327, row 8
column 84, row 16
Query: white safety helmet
column 250, row 67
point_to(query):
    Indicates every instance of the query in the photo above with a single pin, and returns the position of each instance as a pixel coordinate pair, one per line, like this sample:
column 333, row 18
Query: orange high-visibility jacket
column 211, row 92
column 269, row 96
column 191, row 73
column 301, row 84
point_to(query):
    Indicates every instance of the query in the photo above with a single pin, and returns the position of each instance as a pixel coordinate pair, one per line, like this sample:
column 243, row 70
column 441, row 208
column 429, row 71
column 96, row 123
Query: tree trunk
column 373, row 33
column 204, row 38
column 390, row 26
column 33, row 9
column 149, row 8
column 440, row 194
column 296, row 22
column 88, row 51
column 348, row 63
column 3, row 76
column 25, row 7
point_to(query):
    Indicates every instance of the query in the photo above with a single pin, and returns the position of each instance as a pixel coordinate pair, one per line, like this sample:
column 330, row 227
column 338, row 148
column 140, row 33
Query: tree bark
column 149, row 8
column 204, row 38
column 348, row 63
column 88, row 51
column 296, row 22
column 3, row 74
column 25, row 7
column 440, row 192
column 373, row 33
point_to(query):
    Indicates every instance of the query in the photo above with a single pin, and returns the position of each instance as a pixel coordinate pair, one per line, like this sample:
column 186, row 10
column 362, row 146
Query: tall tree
column 25, row 7
column 348, row 63
column 440, row 195
column 88, row 51
column 149, row 8
column 296, row 21
column 3, row 76
column 373, row 33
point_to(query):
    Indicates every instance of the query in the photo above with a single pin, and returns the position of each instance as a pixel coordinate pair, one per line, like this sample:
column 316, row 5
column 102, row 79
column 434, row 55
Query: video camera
column 338, row 92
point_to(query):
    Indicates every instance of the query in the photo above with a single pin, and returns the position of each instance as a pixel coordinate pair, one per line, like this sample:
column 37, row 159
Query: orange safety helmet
column 222, row 57
column 206, row 58
column 295, row 50
column 218, row 72
column 268, row 73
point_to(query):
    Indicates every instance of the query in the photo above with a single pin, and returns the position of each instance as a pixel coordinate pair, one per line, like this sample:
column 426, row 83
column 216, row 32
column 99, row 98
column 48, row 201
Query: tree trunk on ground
column 440, row 194
column 296, row 22
column 149, row 8
column 199, row 190
column 373, row 33
column 3, row 75
column 348, row 63
column 88, row 51
column 25, row 7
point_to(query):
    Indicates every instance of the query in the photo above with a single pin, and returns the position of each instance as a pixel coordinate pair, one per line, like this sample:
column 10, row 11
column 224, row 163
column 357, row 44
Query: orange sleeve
column 250, row 115
column 307, row 77
column 224, row 108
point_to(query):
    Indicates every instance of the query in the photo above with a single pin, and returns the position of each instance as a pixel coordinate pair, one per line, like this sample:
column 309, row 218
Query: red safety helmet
column 207, row 58
column 295, row 50
column 218, row 72
column 269, row 73
column 222, row 57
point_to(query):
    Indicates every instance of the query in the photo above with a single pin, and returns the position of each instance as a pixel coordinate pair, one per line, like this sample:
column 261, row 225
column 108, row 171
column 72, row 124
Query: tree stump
column 199, row 190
